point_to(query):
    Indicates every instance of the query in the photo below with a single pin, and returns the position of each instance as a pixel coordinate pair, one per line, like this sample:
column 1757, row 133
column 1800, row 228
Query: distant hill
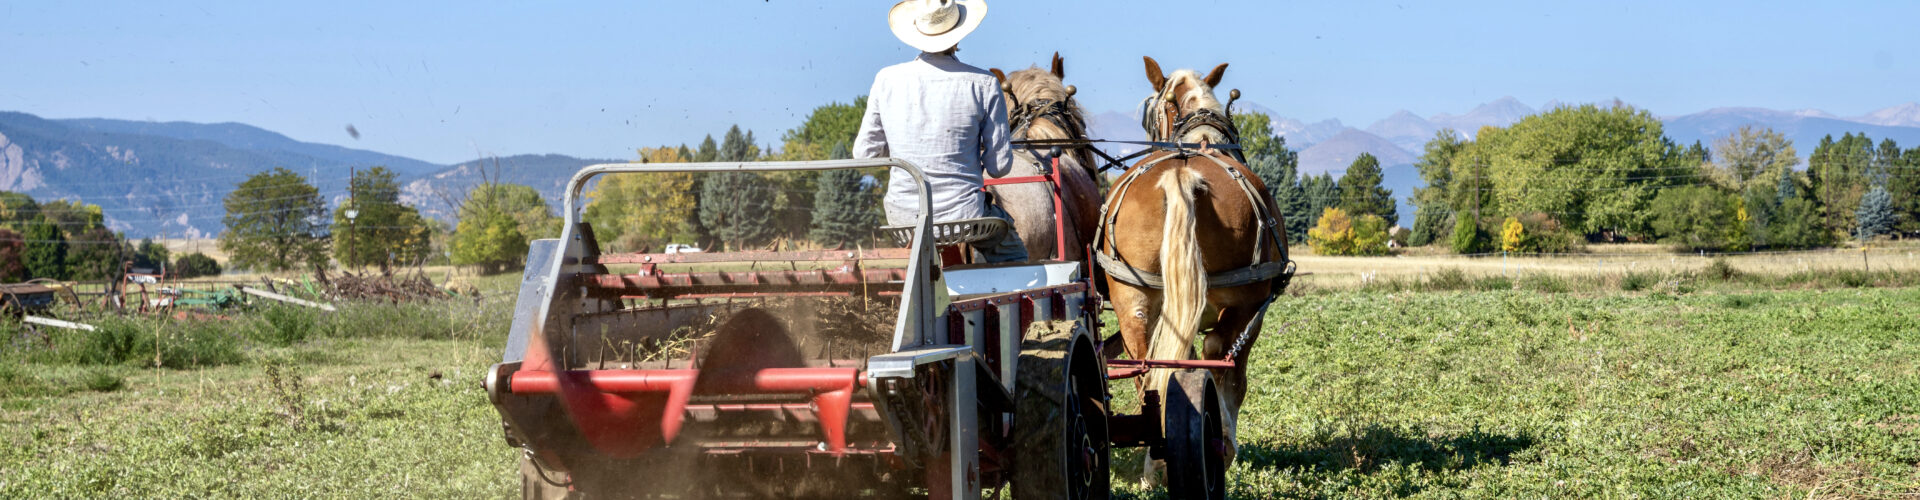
column 251, row 138
column 1499, row 113
column 147, row 185
column 1804, row 128
column 547, row 173
column 1904, row 115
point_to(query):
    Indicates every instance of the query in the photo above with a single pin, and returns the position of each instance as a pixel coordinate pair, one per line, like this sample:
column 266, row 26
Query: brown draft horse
column 1183, row 216
column 1042, row 107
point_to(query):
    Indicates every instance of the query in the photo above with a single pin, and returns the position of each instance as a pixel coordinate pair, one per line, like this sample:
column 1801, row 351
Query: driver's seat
column 952, row 237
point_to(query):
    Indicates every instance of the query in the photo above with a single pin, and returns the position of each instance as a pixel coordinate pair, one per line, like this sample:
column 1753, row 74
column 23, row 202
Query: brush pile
column 413, row 287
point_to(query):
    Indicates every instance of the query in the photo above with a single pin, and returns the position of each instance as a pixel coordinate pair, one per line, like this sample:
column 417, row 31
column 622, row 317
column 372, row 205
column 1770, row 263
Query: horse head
column 1183, row 108
column 1040, row 104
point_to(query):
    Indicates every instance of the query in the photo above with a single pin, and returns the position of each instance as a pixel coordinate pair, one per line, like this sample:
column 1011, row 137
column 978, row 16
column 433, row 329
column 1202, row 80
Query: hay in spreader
column 819, row 328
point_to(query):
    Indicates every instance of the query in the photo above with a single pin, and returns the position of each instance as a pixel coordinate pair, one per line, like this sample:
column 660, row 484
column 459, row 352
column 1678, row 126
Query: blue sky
column 446, row 82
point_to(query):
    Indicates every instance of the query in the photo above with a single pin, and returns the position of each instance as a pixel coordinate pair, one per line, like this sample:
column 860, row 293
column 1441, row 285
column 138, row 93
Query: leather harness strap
column 1260, row 270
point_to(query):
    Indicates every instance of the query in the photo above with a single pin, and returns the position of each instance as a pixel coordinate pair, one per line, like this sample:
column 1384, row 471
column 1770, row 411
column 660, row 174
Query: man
column 943, row 115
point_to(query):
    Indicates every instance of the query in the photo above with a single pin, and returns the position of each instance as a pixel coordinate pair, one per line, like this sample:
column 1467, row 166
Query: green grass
column 1520, row 394
column 1688, row 386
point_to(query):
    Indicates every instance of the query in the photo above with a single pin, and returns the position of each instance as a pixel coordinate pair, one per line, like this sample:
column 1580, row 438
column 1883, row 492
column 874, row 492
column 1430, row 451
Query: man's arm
column 871, row 142
column 996, row 153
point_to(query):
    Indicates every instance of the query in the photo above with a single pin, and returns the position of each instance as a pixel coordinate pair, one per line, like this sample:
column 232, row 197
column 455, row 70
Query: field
column 1693, row 381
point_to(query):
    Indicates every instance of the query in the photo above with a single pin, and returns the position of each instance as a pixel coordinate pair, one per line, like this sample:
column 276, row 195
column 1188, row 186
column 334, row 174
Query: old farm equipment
column 877, row 373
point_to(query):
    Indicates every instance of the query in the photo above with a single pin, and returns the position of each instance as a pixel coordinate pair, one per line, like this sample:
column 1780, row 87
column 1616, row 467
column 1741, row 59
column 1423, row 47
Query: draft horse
column 1041, row 107
column 1189, row 240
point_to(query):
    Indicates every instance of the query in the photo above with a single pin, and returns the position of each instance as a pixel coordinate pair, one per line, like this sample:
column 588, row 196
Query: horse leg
column 1136, row 309
column 1233, row 381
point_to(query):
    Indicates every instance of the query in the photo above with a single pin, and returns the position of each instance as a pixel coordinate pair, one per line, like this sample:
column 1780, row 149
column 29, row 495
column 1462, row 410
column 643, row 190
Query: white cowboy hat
column 935, row 25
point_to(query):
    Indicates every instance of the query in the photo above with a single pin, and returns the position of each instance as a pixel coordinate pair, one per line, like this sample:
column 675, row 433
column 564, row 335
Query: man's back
column 945, row 116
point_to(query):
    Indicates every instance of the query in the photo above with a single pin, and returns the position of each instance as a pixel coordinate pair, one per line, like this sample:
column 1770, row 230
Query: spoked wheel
column 1196, row 437
column 1060, row 418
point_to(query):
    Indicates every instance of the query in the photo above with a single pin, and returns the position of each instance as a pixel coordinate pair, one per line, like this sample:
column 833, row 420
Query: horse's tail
column 1181, row 269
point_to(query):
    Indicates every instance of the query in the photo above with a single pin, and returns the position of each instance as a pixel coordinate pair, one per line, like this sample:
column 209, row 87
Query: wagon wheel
column 1060, row 419
column 1196, row 462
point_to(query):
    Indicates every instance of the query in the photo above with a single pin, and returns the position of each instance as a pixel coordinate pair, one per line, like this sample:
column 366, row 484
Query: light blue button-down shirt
column 945, row 116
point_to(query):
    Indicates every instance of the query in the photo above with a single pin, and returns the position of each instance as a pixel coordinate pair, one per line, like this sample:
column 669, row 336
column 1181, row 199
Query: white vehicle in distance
column 673, row 248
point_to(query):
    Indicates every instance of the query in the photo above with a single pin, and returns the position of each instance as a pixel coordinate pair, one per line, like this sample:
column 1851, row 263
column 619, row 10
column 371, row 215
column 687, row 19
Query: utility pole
column 352, row 211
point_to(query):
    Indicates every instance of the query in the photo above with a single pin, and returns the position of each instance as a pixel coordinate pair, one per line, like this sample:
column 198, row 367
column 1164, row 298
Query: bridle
column 1168, row 112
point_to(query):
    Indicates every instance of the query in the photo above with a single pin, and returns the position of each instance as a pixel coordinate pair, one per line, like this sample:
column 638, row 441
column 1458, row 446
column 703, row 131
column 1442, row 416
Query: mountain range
column 169, row 178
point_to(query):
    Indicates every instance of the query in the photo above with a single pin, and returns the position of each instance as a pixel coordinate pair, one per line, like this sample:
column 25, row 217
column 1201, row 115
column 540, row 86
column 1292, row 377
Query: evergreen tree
column 1361, row 192
column 1320, row 192
column 1875, row 215
column 1906, row 181
column 1280, row 174
column 841, row 216
column 737, row 207
column 46, row 251
column 708, row 151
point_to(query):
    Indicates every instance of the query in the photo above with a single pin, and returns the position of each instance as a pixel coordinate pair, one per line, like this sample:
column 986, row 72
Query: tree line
column 68, row 240
column 1556, row 181
column 1551, row 182
column 277, row 221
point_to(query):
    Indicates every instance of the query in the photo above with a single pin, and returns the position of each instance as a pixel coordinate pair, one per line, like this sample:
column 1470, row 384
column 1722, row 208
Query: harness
column 1181, row 124
column 1277, row 274
column 1260, row 270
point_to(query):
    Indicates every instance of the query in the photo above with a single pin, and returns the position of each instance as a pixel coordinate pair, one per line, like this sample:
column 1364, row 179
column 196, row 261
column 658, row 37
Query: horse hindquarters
column 1182, row 270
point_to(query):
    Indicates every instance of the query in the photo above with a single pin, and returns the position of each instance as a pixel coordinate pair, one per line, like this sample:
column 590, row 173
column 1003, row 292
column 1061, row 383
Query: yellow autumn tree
column 1340, row 234
column 636, row 212
column 1512, row 234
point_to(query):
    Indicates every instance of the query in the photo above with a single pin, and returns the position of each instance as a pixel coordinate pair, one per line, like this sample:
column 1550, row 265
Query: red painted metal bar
column 1170, row 363
column 612, row 407
column 1133, row 367
column 1059, row 205
column 705, row 257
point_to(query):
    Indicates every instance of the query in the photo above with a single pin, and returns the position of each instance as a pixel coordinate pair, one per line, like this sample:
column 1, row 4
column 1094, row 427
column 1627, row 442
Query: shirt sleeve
column 996, row 153
column 871, row 141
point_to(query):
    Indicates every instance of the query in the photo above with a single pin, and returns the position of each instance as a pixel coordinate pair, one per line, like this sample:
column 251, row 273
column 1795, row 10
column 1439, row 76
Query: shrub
column 1339, row 234
column 1698, row 218
column 1797, row 225
column 1541, row 233
column 1635, row 281
column 195, row 265
column 1451, row 278
column 283, row 325
column 134, row 341
column 1467, row 237
column 1721, row 270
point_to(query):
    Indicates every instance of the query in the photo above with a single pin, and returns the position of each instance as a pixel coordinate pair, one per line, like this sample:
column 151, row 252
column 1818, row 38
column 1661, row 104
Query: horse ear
column 1213, row 77
column 1153, row 74
column 1059, row 67
column 999, row 75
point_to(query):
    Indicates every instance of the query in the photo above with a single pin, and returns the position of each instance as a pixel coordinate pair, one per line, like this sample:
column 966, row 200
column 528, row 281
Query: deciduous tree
column 275, row 221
